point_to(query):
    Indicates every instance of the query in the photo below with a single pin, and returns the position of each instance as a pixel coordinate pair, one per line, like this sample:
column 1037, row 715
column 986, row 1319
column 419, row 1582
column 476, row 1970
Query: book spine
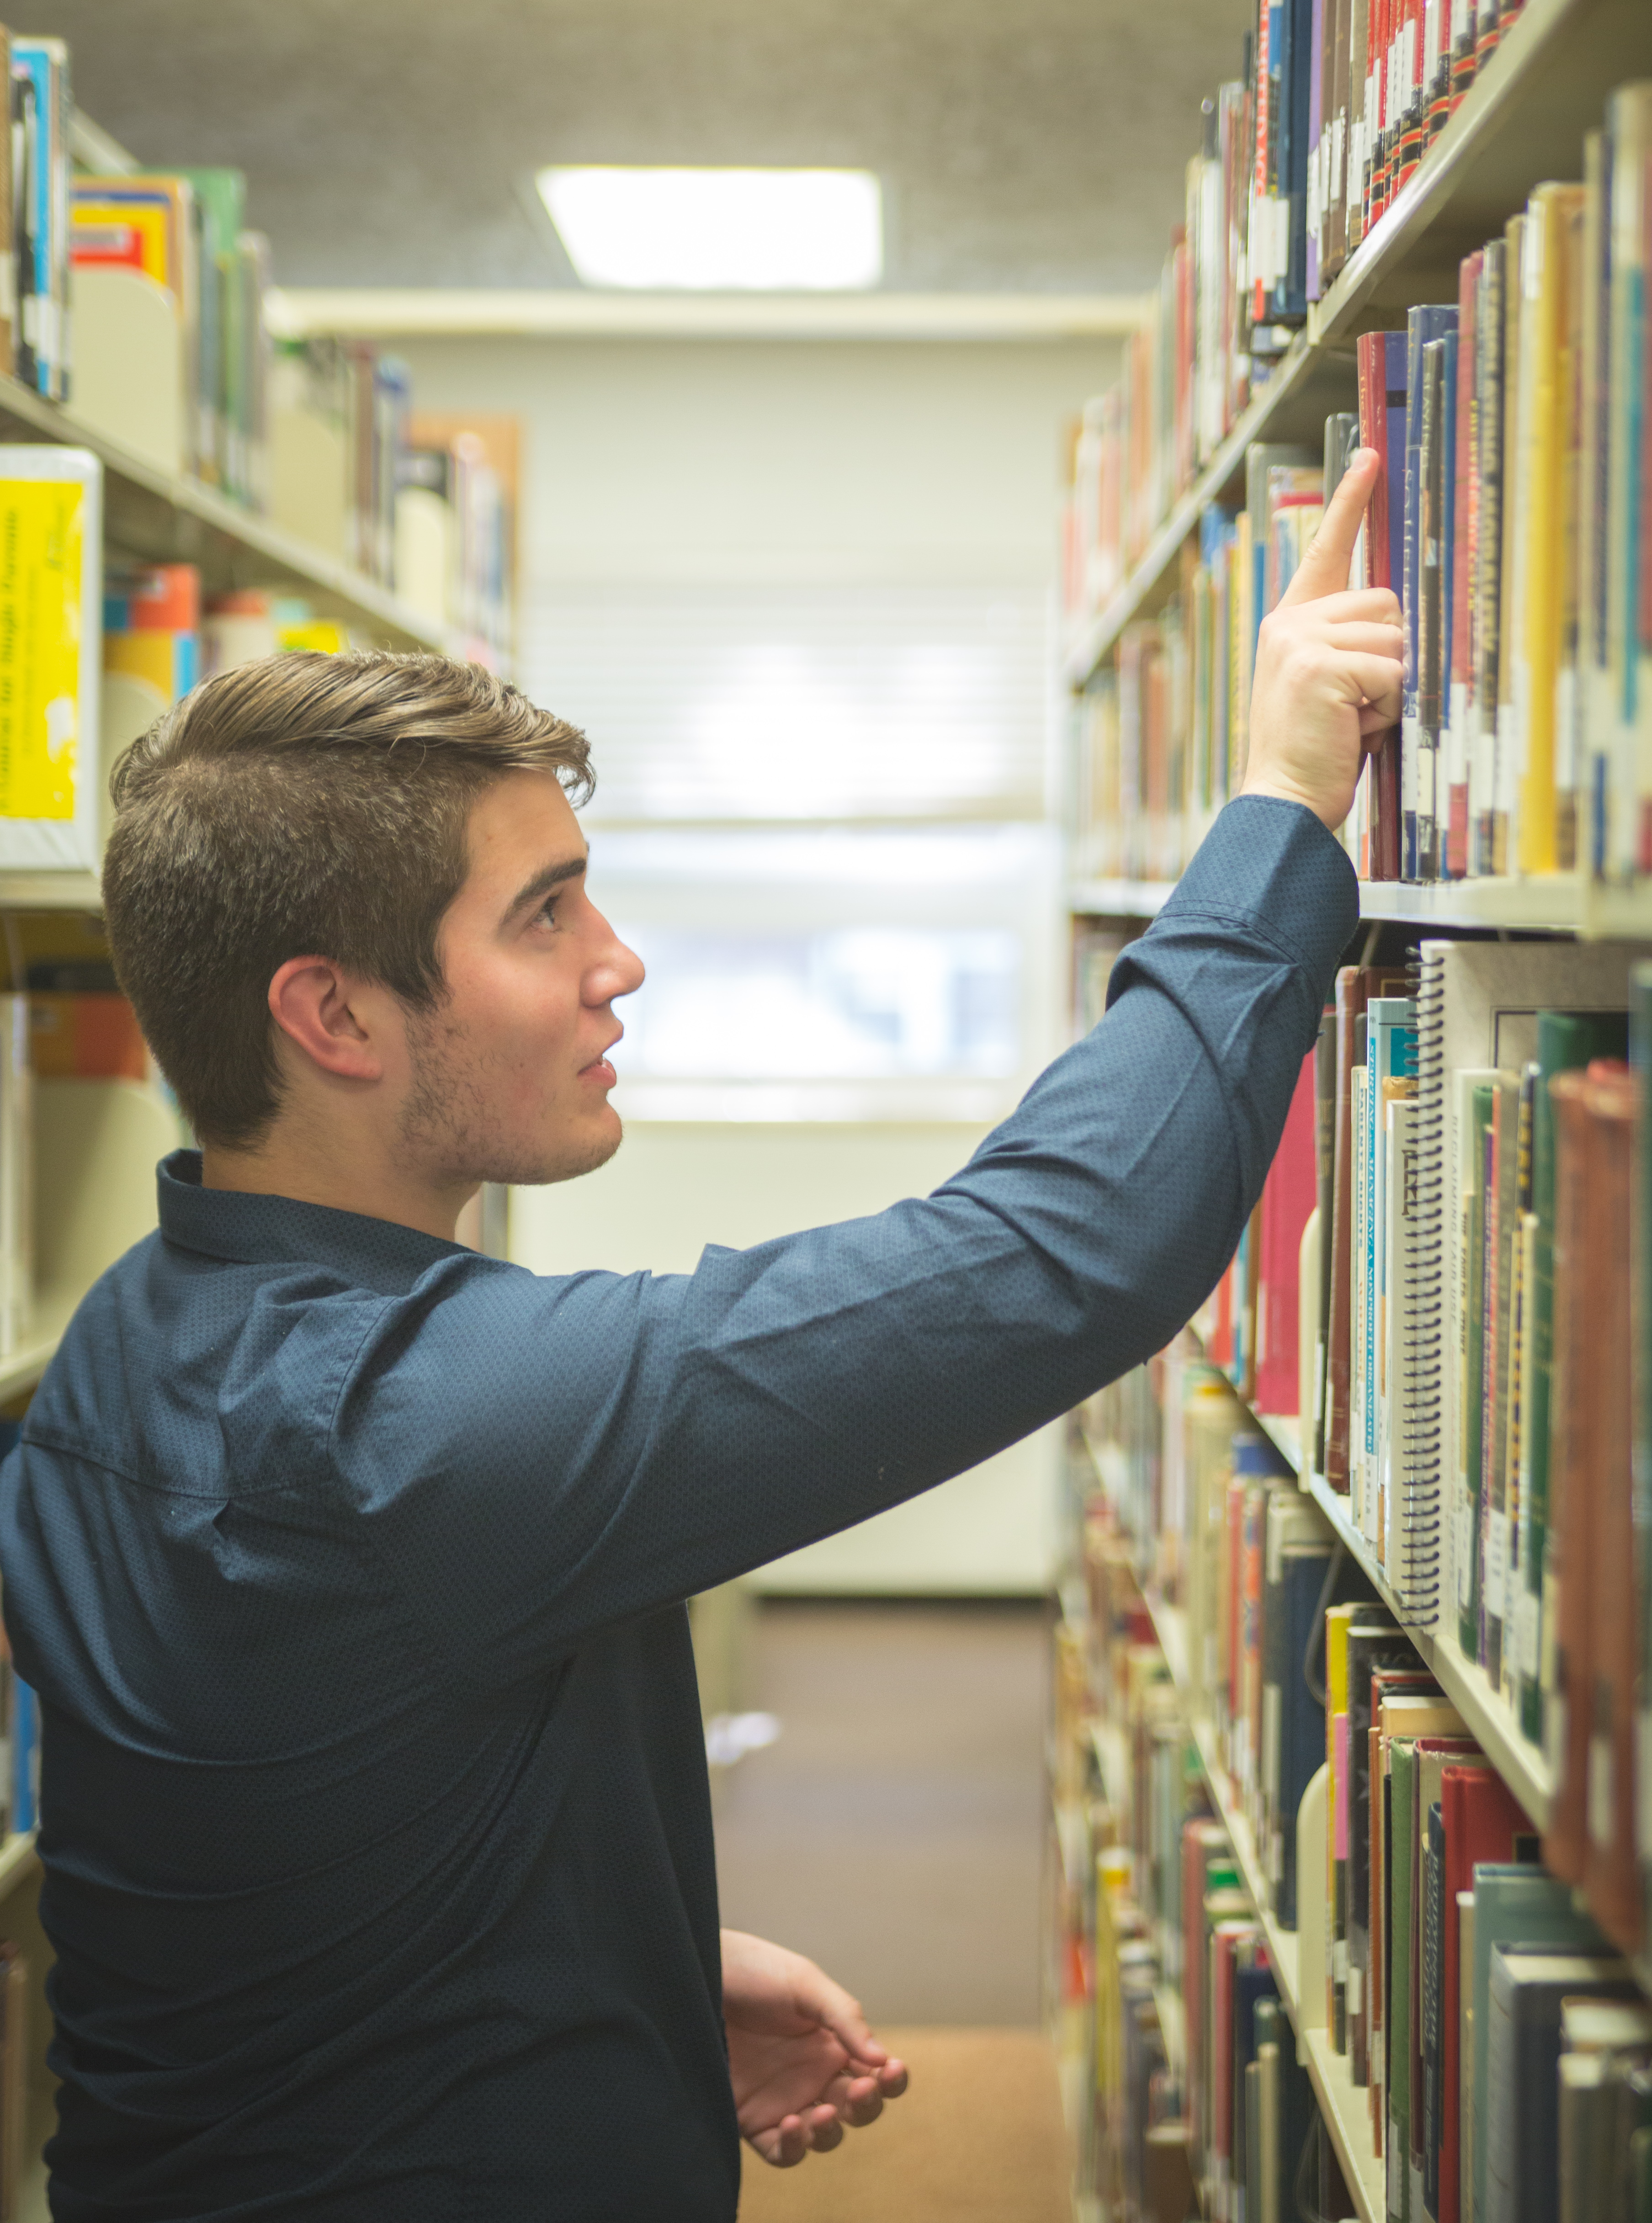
column 1489, row 323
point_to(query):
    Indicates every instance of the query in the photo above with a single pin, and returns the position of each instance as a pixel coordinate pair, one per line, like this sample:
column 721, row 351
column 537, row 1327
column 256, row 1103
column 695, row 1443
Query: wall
column 820, row 464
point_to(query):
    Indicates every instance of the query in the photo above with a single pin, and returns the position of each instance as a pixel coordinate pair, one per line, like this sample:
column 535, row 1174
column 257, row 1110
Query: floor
column 894, row 1832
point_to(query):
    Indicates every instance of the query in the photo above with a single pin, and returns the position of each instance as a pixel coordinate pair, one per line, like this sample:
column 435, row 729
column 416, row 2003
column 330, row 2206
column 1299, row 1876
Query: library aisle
column 894, row 1832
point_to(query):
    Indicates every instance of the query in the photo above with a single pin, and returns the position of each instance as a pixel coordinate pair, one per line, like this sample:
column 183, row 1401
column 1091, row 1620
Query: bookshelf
column 1490, row 1722
column 163, row 518
column 1344, row 2107
column 1521, row 121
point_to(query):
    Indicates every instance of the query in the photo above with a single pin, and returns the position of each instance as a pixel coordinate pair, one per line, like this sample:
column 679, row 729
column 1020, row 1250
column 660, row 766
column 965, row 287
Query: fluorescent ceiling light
column 716, row 230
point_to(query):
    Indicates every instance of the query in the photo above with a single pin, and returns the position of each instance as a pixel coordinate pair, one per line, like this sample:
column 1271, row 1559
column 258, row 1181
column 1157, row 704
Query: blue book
column 1295, row 18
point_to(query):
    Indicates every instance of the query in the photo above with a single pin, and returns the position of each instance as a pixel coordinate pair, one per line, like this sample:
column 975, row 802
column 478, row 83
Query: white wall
column 825, row 463
column 756, row 461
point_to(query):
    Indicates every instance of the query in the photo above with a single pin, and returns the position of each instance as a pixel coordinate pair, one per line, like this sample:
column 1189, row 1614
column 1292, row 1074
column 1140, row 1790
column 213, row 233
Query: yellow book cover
column 1544, row 320
column 42, row 533
column 1505, row 785
column 103, row 226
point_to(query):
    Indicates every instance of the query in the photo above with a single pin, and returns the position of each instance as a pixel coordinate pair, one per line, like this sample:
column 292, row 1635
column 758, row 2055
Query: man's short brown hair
column 301, row 806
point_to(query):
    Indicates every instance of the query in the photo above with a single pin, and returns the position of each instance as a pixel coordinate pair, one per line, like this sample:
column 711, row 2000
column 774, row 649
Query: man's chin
column 566, row 1156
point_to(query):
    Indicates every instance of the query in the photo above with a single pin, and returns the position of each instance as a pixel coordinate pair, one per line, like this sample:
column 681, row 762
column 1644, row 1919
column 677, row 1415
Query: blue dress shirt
column 348, row 1567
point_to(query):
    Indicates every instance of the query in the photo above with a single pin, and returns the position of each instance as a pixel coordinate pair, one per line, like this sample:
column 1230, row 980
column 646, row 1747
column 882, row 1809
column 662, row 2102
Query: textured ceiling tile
column 1039, row 146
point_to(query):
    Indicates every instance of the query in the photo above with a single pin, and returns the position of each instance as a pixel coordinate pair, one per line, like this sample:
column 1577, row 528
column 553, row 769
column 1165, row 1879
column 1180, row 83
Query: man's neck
column 345, row 1179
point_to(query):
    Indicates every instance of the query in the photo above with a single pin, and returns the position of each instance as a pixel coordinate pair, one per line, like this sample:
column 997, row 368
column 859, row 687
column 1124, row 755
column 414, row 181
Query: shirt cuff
column 1274, row 866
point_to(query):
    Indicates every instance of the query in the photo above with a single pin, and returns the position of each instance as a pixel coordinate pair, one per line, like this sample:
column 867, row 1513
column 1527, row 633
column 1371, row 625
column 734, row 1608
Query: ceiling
column 1035, row 147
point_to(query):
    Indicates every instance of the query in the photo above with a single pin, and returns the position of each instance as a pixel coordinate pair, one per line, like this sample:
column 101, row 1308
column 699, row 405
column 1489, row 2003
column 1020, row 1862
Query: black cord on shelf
column 1317, row 1631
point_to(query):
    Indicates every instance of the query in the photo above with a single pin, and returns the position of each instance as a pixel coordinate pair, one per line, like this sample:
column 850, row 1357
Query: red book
column 1287, row 1197
column 1483, row 1823
column 165, row 598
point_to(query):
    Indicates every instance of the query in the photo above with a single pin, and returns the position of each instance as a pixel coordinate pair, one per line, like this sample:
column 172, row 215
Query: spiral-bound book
column 1477, row 1011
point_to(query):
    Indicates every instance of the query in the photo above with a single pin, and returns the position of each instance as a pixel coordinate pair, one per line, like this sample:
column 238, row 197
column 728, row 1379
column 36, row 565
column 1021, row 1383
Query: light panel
column 719, row 230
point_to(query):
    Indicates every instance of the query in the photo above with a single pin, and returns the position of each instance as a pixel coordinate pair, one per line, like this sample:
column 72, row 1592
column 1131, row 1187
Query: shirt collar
column 257, row 1230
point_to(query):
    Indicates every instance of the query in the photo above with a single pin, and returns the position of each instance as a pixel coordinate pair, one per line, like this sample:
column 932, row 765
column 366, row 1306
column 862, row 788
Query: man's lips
column 600, row 1069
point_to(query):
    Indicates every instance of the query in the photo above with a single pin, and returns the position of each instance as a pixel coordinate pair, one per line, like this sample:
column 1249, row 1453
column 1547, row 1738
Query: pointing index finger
column 1324, row 569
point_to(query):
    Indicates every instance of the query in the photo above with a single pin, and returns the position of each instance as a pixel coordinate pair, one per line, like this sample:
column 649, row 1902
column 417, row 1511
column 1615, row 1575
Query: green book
column 1481, row 1098
column 1567, row 1040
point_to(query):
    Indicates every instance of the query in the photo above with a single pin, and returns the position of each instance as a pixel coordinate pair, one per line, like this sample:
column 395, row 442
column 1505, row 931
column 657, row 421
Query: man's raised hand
column 1329, row 665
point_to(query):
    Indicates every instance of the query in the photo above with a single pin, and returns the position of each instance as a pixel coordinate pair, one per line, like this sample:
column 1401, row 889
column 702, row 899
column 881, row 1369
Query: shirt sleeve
column 536, row 1458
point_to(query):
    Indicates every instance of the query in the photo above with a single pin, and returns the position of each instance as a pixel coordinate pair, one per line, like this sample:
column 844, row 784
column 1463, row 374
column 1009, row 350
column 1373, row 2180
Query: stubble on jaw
column 449, row 1122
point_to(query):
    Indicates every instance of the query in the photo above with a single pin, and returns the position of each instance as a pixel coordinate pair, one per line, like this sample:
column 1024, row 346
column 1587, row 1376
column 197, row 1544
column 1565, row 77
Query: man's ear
column 319, row 1008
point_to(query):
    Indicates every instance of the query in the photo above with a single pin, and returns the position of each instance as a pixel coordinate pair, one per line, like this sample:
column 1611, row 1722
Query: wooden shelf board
column 1521, row 122
column 165, row 518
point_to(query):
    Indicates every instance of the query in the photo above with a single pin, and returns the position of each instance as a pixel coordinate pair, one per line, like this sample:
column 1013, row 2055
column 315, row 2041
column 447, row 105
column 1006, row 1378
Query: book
column 51, row 511
column 1523, row 2056
column 1546, row 280
column 1628, row 838
column 1288, row 1198
column 1419, row 802
column 1383, row 420
column 1518, row 1906
column 42, row 108
column 1477, row 1007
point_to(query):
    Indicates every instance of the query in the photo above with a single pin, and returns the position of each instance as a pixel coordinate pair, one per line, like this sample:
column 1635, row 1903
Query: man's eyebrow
column 551, row 876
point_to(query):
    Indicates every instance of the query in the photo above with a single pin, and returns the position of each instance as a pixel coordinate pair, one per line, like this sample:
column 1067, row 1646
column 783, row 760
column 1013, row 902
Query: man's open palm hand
column 801, row 2062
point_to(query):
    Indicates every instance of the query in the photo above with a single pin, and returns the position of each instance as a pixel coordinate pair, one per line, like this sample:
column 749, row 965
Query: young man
column 349, row 1565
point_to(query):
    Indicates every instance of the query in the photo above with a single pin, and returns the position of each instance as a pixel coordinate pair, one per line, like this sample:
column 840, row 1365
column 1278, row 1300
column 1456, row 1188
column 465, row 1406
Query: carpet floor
column 977, row 2138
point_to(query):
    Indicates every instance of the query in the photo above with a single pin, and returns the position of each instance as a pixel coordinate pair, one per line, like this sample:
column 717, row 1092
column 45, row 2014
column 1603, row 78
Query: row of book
column 1460, row 1976
column 1468, row 1366
column 423, row 501
column 1509, row 521
column 140, row 299
column 1160, row 735
column 87, row 662
column 1194, row 2093
column 1336, row 106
